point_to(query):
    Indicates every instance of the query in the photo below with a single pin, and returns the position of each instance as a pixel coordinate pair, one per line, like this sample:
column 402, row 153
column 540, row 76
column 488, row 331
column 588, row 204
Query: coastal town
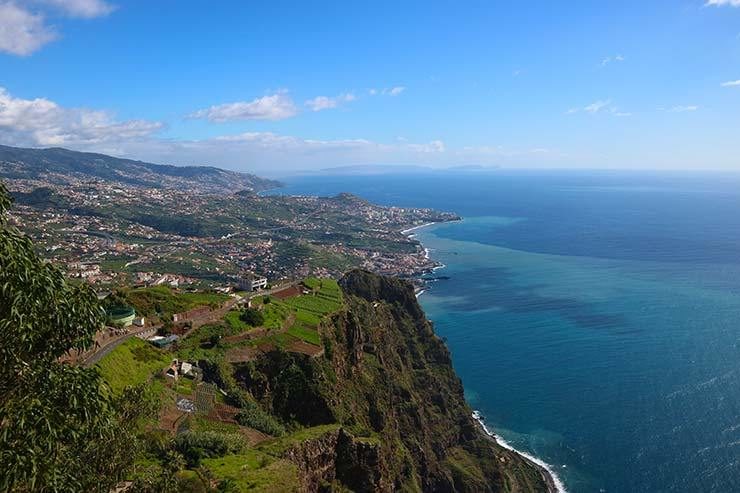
column 112, row 233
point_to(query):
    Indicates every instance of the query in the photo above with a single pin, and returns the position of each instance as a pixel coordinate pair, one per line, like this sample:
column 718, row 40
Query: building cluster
column 113, row 233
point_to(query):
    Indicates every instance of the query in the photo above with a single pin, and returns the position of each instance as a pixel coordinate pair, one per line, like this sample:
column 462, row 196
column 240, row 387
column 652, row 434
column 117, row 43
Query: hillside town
column 112, row 233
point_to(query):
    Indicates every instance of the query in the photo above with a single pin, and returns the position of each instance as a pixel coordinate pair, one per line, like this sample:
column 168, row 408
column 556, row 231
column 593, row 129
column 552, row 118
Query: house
column 139, row 321
column 162, row 342
column 183, row 369
column 251, row 282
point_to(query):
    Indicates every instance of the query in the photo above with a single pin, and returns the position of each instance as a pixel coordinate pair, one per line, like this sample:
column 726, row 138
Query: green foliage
column 58, row 431
column 132, row 363
column 252, row 317
column 254, row 416
column 163, row 301
column 308, row 335
column 195, row 446
column 312, row 282
column 253, row 470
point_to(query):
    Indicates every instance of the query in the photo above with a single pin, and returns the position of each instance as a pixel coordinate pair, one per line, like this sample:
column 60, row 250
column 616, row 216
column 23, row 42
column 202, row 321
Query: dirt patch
column 290, row 292
column 241, row 354
column 304, row 347
column 170, row 417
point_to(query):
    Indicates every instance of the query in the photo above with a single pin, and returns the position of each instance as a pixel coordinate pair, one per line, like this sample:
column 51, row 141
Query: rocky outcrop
column 337, row 457
column 385, row 377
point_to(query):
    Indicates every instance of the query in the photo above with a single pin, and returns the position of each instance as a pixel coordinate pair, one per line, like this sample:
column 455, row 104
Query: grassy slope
column 131, row 363
column 262, row 467
column 165, row 301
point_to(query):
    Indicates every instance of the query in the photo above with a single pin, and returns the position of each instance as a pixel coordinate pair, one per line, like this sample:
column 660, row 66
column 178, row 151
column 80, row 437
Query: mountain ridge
column 62, row 165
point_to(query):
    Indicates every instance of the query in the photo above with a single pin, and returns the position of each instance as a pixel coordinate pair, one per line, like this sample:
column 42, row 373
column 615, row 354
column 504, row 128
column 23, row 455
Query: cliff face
column 386, row 379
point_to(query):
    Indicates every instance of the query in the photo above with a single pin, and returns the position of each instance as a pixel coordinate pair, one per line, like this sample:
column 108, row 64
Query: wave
column 407, row 231
column 559, row 486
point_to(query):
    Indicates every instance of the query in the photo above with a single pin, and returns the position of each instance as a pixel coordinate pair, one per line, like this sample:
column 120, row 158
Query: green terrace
column 288, row 320
column 242, row 443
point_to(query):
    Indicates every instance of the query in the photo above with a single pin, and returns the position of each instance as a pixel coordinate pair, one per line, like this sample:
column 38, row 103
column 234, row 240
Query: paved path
column 100, row 352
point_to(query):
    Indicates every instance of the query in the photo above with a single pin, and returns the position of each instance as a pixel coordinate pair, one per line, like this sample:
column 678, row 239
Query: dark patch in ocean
column 500, row 291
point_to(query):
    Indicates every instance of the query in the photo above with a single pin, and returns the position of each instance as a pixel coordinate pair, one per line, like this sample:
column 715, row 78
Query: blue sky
column 279, row 86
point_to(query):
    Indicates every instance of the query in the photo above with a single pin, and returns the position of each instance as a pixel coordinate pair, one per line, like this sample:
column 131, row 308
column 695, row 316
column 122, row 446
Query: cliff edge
column 385, row 407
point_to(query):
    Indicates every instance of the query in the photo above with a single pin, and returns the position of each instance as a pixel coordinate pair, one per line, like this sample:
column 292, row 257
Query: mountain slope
column 386, row 380
column 62, row 165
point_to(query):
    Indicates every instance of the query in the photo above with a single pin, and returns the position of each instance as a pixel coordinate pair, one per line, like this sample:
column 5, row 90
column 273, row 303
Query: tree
column 60, row 428
column 252, row 317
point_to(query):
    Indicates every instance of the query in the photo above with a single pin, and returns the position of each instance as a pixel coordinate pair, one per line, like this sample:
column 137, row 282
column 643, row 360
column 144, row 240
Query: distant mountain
column 376, row 169
column 59, row 165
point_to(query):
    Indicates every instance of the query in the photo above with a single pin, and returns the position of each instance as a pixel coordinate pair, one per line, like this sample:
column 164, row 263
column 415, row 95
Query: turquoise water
column 593, row 317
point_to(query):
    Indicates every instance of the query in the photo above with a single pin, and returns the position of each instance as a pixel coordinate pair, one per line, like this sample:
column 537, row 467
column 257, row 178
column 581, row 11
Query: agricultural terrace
column 163, row 301
column 238, row 439
column 290, row 323
column 302, row 314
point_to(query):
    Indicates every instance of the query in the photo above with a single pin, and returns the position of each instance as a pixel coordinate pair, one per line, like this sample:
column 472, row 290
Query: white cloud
column 87, row 9
column 433, row 146
column 387, row 91
column 278, row 106
column 22, row 32
column 606, row 61
column 597, row 106
column 41, row 122
column 721, row 3
column 682, row 109
column 324, row 102
column 731, row 83
column 601, row 106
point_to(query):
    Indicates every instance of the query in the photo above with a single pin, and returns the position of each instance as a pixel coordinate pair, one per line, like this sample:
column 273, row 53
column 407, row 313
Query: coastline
column 418, row 280
column 407, row 231
column 553, row 482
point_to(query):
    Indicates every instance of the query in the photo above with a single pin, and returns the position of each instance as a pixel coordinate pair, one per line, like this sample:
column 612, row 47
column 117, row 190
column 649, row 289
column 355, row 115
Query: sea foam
column 544, row 465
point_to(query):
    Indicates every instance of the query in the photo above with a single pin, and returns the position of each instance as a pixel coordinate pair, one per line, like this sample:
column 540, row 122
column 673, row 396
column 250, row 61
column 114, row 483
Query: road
column 102, row 351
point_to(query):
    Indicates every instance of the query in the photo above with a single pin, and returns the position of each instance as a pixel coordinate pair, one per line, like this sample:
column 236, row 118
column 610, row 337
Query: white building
column 251, row 282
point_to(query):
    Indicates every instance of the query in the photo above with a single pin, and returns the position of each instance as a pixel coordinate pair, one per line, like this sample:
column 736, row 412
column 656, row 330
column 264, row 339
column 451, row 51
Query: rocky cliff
column 385, row 386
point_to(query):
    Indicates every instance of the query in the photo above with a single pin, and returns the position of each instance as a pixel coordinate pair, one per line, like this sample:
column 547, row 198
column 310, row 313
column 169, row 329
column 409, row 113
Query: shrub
column 252, row 317
column 195, row 446
column 253, row 416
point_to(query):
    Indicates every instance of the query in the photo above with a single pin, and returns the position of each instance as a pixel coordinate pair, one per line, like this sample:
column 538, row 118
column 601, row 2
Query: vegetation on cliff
column 348, row 388
column 60, row 428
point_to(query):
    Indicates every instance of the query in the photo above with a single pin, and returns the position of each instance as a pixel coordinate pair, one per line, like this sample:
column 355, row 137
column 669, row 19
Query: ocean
column 594, row 317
